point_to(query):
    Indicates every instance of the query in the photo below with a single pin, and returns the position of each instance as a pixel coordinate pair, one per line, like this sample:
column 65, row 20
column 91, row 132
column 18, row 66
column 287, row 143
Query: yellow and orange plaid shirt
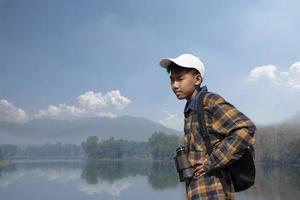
column 230, row 131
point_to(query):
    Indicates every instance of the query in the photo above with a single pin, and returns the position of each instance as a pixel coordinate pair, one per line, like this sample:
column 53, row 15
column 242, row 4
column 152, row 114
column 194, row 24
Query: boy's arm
column 238, row 129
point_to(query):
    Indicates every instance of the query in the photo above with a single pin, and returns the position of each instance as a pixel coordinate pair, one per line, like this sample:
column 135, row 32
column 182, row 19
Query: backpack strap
column 202, row 125
column 203, row 131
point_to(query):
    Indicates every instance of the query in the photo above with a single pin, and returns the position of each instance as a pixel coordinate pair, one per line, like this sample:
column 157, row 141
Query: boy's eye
column 176, row 78
column 180, row 78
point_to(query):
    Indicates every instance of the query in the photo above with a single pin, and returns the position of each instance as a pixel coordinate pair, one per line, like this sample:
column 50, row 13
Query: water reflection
column 160, row 175
column 95, row 171
column 114, row 177
column 276, row 183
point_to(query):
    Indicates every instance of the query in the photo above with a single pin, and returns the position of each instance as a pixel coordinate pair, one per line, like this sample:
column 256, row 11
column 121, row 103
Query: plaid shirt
column 230, row 131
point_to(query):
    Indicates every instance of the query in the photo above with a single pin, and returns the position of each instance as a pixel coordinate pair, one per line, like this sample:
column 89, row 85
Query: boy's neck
column 194, row 94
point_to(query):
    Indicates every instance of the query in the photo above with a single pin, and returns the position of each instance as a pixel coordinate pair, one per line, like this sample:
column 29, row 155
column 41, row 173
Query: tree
column 162, row 146
column 8, row 150
column 90, row 146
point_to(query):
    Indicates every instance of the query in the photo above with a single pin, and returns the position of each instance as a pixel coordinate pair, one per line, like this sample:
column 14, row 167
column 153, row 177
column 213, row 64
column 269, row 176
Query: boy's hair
column 177, row 68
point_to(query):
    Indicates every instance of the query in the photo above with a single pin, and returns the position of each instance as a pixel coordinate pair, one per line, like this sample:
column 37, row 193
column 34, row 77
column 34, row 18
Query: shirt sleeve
column 238, row 130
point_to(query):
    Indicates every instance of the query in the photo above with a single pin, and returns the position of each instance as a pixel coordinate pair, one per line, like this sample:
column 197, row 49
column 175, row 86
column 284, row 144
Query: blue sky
column 65, row 59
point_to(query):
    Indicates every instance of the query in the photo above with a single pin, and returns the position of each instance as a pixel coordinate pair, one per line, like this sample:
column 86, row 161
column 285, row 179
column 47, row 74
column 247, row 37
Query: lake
column 125, row 180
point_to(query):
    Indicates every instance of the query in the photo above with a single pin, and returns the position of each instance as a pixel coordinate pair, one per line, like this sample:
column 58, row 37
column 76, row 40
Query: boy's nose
column 174, row 86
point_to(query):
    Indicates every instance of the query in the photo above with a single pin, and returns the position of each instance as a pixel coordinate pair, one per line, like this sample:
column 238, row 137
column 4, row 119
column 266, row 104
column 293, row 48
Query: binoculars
column 183, row 166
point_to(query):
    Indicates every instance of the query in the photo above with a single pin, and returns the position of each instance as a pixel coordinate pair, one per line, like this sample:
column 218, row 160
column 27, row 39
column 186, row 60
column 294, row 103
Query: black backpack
column 242, row 171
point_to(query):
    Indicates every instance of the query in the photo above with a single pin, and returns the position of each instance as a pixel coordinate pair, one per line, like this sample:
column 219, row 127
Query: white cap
column 185, row 60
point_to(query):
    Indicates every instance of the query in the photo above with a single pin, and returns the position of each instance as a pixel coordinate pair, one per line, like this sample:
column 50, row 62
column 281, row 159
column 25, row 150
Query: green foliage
column 114, row 148
column 50, row 150
column 91, row 146
column 294, row 156
column 7, row 150
column 162, row 146
column 278, row 144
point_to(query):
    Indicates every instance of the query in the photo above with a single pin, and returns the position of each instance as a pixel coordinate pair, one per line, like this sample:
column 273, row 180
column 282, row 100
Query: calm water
column 124, row 180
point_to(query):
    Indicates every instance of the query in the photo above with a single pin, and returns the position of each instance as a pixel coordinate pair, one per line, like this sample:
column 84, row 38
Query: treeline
column 274, row 145
column 51, row 150
column 114, row 148
column 278, row 144
column 9, row 151
column 163, row 146
column 160, row 146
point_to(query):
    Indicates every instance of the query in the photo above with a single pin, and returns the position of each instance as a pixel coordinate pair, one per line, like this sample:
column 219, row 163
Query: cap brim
column 166, row 62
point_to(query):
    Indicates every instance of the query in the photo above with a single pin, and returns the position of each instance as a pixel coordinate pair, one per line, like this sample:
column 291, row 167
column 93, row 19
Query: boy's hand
column 199, row 169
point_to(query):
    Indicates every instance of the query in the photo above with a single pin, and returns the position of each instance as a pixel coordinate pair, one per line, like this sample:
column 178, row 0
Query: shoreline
column 4, row 162
column 135, row 159
column 37, row 159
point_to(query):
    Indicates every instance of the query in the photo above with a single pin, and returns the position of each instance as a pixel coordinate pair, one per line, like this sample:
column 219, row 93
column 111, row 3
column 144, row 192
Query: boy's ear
column 198, row 78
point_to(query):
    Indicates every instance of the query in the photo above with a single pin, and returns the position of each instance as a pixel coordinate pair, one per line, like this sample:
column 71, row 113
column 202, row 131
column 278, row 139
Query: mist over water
column 125, row 180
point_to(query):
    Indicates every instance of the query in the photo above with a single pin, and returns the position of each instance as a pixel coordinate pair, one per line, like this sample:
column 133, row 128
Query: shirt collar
column 193, row 103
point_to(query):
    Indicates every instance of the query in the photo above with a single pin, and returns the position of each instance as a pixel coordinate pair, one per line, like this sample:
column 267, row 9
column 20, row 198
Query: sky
column 73, row 58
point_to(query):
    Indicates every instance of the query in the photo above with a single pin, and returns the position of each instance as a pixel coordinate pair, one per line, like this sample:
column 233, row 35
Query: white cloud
column 295, row 68
column 60, row 175
column 113, row 189
column 294, row 77
column 64, row 111
column 296, row 87
column 174, row 121
column 9, row 178
column 115, row 99
column 289, row 79
column 11, row 113
column 268, row 71
column 91, row 100
column 90, row 104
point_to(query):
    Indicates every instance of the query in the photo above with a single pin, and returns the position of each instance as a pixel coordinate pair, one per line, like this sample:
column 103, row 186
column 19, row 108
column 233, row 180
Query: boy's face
column 184, row 84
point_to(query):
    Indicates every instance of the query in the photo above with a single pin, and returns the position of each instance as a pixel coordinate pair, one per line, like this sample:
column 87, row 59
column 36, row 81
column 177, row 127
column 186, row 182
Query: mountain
column 75, row 131
column 295, row 119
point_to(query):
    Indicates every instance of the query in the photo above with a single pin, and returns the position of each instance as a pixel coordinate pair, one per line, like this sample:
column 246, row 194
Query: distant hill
column 75, row 131
column 279, row 143
column 294, row 119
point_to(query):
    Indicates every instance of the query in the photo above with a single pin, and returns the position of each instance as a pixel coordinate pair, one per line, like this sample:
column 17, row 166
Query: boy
column 230, row 130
